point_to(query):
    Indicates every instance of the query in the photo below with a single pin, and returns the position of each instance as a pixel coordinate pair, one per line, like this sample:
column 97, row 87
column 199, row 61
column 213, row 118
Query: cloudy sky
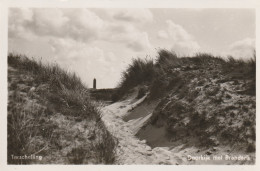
column 100, row 43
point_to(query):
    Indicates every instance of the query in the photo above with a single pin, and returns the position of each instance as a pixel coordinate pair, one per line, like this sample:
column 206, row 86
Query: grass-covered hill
column 205, row 99
column 51, row 115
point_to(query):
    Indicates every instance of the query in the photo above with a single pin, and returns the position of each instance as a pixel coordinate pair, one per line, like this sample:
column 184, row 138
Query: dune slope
column 201, row 105
column 50, row 115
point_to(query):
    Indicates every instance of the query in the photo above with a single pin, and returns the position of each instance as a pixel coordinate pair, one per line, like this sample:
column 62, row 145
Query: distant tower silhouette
column 94, row 83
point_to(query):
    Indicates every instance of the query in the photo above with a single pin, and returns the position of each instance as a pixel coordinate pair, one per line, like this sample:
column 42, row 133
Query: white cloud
column 162, row 34
column 77, row 24
column 20, row 15
column 129, row 15
column 18, row 19
column 128, row 35
column 139, row 41
column 186, row 48
column 83, row 24
column 67, row 49
column 182, row 41
column 242, row 48
column 177, row 32
column 48, row 22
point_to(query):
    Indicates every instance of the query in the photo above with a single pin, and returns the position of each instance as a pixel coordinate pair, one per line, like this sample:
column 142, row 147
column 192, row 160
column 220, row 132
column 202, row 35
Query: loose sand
column 124, row 120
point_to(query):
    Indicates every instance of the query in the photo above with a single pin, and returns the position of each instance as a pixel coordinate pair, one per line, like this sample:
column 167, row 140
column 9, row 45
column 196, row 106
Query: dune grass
column 161, row 73
column 39, row 91
column 138, row 72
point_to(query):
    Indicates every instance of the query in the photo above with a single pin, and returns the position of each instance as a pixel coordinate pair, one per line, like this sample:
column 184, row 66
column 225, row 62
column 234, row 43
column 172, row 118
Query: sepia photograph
column 131, row 86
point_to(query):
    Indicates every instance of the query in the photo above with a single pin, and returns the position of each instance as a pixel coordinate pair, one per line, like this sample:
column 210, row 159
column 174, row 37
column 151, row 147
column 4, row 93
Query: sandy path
column 130, row 149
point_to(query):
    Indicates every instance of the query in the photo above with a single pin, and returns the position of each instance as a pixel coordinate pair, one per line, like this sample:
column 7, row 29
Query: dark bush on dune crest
column 138, row 72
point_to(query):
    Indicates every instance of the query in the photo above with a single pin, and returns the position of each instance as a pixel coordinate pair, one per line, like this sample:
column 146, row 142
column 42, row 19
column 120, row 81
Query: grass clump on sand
column 50, row 114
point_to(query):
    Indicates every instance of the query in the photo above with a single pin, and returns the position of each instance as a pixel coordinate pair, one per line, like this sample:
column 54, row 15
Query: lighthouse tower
column 94, row 83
